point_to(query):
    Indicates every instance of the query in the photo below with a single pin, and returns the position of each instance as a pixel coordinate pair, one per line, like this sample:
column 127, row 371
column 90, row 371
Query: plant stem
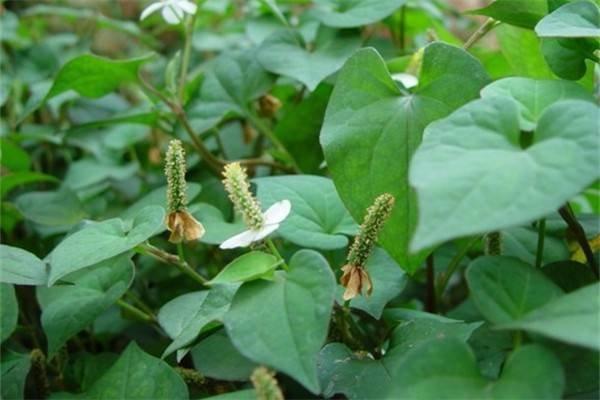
column 185, row 59
column 402, row 27
column 540, row 244
column 141, row 315
column 487, row 26
column 275, row 252
column 171, row 259
column 430, row 296
column 577, row 230
column 454, row 263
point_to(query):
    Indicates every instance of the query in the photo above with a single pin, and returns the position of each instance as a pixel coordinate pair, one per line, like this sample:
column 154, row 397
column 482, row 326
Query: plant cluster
column 269, row 199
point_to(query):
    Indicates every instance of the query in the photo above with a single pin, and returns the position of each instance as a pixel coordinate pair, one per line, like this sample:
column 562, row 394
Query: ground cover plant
column 362, row 199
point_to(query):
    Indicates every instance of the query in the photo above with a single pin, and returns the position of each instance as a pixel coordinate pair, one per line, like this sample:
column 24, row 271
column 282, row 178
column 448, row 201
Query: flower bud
column 265, row 385
column 237, row 186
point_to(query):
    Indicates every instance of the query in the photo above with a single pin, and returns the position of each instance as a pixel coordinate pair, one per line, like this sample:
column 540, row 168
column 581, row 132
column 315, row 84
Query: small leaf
column 505, row 288
column 289, row 336
column 246, row 268
column 137, row 375
column 354, row 13
column 20, row 267
column 103, row 240
column 9, row 308
column 318, row 218
column 14, row 180
column 284, row 53
column 524, row 14
column 572, row 318
column 217, row 229
column 55, row 208
column 68, row 309
column 14, row 368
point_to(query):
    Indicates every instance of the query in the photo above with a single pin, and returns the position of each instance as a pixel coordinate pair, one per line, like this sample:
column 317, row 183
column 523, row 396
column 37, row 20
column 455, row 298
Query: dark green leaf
column 14, row 368
column 247, row 267
column 9, row 308
column 524, row 14
column 353, row 13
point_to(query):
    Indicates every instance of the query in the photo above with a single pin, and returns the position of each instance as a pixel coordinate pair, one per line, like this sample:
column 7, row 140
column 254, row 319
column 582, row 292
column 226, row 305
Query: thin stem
column 454, row 263
column 171, row 259
column 185, row 59
column 577, row 230
column 430, row 300
column 402, row 27
column 275, row 252
column 540, row 244
column 181, row 253
column 139, row 314
column 487, row 26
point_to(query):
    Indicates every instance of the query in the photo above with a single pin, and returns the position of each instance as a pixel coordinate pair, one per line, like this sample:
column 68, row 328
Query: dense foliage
column 390, row 199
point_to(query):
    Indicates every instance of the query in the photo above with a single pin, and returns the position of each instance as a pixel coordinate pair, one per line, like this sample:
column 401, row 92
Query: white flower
column 272, row 217
column 408, row 80
column 173, row 11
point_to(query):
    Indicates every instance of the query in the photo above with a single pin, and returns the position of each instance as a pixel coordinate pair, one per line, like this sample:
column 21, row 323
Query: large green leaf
column 54, row 208
column 103, row 240
column 284, row 53
column 20, row 267
column 573, row 318
column 524, row 14
column 68, row 309
column 247, row 267
column 353, row 13
column 318, row 218
column 425, row 373
column 289, row 336
column 9, row 308
column 567, row 57
column 466, row 157
column 371, row 131
column 575, row 20
column 505, row 288
column 521, row 48
column 14, row 368
column 185, row 317
column 137, row 375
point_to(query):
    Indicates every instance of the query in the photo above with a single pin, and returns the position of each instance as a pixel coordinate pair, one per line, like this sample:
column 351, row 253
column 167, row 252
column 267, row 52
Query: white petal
column 277, row 212
column 172, row 14
column 150, row 9
column 408, row 80
column 243, row 239
column 265, row 231
column 187, row 6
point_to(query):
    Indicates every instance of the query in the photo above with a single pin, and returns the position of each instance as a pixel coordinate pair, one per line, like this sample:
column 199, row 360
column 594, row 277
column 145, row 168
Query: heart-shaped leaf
column 572, row 318
column 138, row 375
column 467, row 156
column 247, row 267
column 285, row 54
column 371, row 130
column 524, row 14
column 318, row 218
column 68, row 309
column 353, row 13
column 185, row 317
column 103, row 240
column 575, row 19
column 58, row 208
column 20, row 267
column 505, row 288
column 289, row 336
column 9, row 308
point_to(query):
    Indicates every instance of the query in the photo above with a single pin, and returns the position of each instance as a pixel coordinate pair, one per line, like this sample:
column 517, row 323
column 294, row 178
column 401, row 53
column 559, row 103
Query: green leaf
column 247, row 267
column 14, row 180
column 14, row 368
column 13, row 157
column 569, row 275
column 20, row 267
column 68, row 309
column 371, row 131
column 88, row 171
column 354, row 13
column 522, row 243
column 289, row 336
column 54, row 208
column 137, row 375
column 100, row 241
column 388, row 281
column 521, row 48
column 574, row 20
column 567, row 57
column 505, row 288
column 248, row 394
column 186, row 316
column 217, row 229
column 572, row 318
column 466, row 157
column 9, row 308
column 158, row 197
column 216, row 357
column 524, row 14
column 284, row 53
column 231, row 83
column 318, row 218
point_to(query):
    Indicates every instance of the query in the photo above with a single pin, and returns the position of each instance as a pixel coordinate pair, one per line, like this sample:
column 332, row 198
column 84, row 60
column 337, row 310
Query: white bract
column 273, row 217
column 409, row 81
column 172, row 11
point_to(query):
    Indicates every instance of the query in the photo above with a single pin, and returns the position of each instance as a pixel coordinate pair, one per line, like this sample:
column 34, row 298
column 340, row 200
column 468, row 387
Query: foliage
column 387, row 199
